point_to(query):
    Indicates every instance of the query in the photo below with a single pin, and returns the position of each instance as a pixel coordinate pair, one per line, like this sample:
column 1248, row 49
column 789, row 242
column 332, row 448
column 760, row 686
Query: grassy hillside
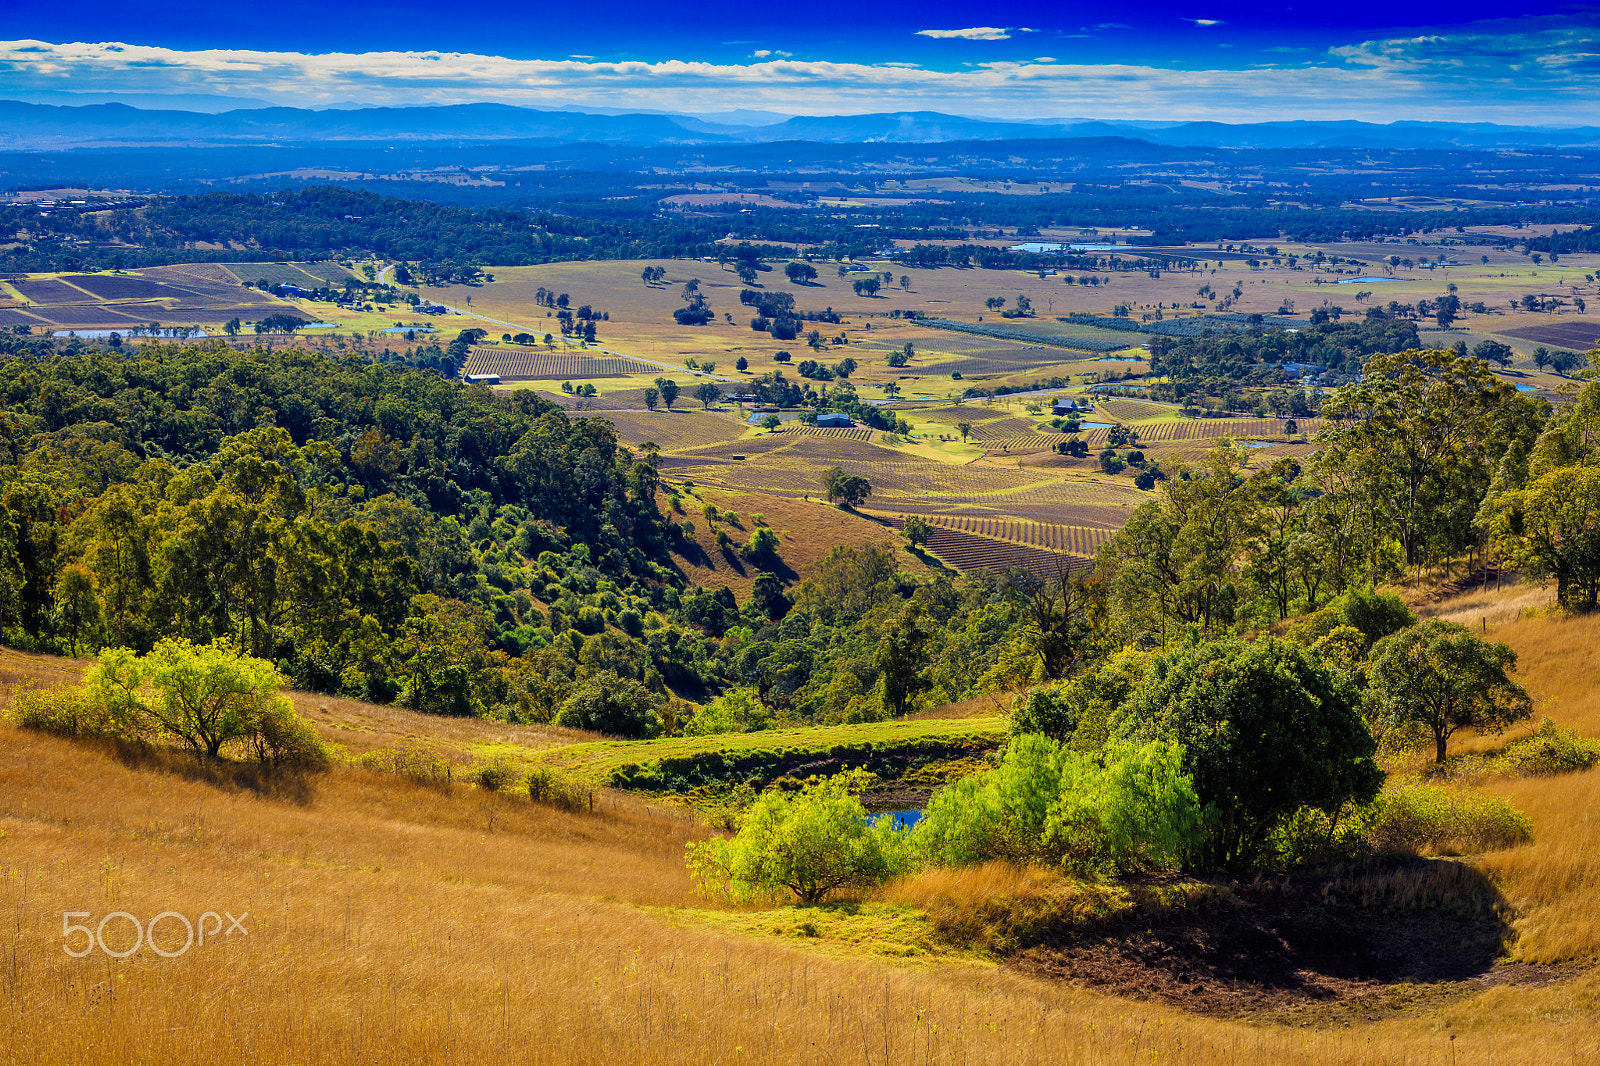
column 395, row 920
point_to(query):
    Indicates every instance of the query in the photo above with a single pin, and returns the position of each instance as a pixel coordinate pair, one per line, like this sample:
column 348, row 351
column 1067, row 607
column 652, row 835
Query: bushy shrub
column 1075, row 712
column 1124, row 809
column 283, row 739
column 1376, row 614
column 811, row 843
column 1343, row 647
column 67, row 713
column 1311, row 836
column 1549, row 751
column 735, row 711
column 413, row 761
column 207, row 697
column 1421, row 818
column 495, row 777
column 550, row 789
column 609, row 703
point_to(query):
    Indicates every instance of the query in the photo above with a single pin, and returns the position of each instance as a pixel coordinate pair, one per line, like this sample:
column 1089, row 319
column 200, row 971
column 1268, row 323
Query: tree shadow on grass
column 1345, row 934
column 276, row 782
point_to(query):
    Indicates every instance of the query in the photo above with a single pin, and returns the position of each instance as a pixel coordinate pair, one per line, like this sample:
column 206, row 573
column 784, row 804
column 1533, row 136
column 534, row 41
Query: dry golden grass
column 1496, row 605
column 395, row 922
column 1555, row 881
column 1558, row 659
column 807, row 530
column 389, row 923
column 359, row 727
column 988, row 705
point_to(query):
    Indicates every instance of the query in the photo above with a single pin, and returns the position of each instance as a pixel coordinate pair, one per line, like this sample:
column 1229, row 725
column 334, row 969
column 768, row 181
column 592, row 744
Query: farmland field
column 969, row 551
column 1073, row 540
column 1579, row 335
column 674, row 431
column 49, row 291
column 1134, row 410
column 529, row 364
column 1083, row 338
column 1207, row 428
column 859, row 433
column 214, row 273
column 306, row 275
column 167, row 295
column 1010, row 426
column 92, row 315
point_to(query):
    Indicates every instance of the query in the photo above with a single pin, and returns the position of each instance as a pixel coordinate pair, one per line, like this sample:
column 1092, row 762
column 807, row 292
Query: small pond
column 783, row 416
column 407, row 329
column 1527, row 388
column 1362, row 281
column 898, row 819
column 1046, row 248
column 1095, row 425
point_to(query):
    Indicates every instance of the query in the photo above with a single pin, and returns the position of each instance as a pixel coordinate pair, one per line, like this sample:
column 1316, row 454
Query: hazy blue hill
column 33, row 126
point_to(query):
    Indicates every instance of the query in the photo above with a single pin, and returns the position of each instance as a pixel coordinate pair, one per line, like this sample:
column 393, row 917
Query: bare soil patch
column 1313, row 948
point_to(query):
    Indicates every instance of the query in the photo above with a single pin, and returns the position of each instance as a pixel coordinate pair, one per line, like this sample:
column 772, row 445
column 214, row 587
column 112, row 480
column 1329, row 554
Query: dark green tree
column 1439, row 676
column 1267, row 729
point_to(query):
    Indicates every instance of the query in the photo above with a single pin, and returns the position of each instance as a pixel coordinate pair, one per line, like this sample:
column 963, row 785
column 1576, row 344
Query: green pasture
column 686, row 764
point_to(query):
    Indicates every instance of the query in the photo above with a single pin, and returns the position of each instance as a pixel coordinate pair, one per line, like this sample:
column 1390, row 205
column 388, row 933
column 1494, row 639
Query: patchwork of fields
column 197, row 294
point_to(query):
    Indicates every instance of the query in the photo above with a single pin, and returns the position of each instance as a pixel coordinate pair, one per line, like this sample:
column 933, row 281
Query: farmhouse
column 1067, row 407
column 835, row 420
column 481, row 379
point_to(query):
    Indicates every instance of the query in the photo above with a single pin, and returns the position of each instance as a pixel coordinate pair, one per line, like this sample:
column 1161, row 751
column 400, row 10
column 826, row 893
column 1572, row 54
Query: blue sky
column 1023, row 59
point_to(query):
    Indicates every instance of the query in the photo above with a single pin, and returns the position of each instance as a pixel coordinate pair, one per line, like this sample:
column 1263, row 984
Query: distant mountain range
column 28, row 126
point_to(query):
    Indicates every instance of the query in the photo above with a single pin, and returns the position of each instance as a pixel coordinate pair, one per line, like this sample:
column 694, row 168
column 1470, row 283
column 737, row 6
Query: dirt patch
column 1317, row 950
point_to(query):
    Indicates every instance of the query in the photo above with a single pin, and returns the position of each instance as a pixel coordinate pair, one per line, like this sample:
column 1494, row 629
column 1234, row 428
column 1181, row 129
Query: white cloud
column 1207, row 22
column 1416, row 78
column 1044, row 59
column 973, row 33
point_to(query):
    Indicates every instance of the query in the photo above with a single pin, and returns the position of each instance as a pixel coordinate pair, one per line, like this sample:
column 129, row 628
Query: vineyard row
column 1074, row 540
column 968, row 551
column 526, row 364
